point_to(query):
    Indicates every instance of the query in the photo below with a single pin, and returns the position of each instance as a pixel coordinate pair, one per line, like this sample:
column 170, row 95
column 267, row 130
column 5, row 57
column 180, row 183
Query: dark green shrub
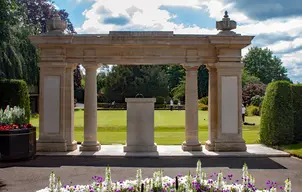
column 15, row 93
column 175, row 101
column 276, row 125
column 204, row 108
column 204, row 100
column 79, row 95
column 297, row 111
column 160, row 100
column 252, row 110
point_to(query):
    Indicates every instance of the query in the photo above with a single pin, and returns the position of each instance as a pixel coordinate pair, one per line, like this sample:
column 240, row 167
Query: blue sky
column 277, row 24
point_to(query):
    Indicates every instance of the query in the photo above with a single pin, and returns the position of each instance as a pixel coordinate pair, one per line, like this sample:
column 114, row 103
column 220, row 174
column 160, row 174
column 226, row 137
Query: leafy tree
column 18, row 57
column 39, row 11
column 176, row 73
column 127, row 81
column 18, row 20
column 247, row 78
column 261, row 63
column 203, row 81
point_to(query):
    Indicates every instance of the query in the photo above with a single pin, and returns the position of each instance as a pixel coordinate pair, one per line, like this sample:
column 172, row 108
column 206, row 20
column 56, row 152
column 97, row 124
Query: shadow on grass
column 190, row 162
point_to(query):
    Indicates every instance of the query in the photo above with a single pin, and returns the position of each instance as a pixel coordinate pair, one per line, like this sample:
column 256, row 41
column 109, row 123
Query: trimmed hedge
column 297, row 111
column 276, row 125
column 15, row 93
column 160, row 100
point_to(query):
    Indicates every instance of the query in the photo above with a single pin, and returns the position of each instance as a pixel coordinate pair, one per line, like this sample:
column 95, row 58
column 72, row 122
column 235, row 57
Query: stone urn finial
column 226, row 25
column 55, row 25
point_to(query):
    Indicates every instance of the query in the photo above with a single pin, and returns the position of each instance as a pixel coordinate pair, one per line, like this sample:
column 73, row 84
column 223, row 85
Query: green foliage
column 160, row 100
column 297, row 111
column 261, row 63
column 79, row 95
column 252, row 110
column 175, row 101
column 204, row 100
column 15, row 93
column 202, row 107
column 179, row 90
column 256, row 100
column 247, row 79
column 276, row 126
column 127, row 81
column 203, row 81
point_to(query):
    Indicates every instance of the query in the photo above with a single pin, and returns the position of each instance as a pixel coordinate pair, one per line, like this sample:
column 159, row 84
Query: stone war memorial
column 220, row 53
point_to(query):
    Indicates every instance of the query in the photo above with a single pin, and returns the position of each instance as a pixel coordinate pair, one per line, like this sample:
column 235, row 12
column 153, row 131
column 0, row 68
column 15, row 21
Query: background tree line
column 260, row 68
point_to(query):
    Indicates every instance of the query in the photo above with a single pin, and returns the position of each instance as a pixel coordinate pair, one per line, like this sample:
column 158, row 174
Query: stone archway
column 60, row 53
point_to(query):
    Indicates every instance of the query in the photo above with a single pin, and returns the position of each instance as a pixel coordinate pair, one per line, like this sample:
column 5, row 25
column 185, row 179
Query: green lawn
column 294, row 149
column 169, row 127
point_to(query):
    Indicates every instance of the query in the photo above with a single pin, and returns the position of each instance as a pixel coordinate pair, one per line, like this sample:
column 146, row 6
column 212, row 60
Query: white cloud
column 147, row 15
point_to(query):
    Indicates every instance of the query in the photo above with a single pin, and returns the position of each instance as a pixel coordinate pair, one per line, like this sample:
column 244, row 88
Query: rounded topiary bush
column 276, row 126
column 160, row 100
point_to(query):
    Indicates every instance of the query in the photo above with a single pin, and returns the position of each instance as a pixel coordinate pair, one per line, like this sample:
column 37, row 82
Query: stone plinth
column 140, row 125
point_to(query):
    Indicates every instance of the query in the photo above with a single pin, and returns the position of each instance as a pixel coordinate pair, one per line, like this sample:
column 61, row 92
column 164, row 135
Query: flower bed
column 17, row 136
column 160, row 183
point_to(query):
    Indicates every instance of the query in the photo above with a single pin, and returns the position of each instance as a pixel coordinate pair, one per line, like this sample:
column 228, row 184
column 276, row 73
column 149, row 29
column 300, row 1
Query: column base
column 90, row 146
column 73, row 146
column 229, row 146
column 210, row 146
column 140, row 148
column 191, row 147
column 51, row 146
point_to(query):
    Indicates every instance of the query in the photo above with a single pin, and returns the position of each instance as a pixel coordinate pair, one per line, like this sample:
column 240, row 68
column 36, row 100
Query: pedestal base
column 73, row 146
column 140, row 148
column 226, row 146
column 191, row 147
column 51, row 146
column 90, row 146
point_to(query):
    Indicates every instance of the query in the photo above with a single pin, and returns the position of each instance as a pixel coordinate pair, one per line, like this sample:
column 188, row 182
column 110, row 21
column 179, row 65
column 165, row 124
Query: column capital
column 91, row 66
column 191, row 66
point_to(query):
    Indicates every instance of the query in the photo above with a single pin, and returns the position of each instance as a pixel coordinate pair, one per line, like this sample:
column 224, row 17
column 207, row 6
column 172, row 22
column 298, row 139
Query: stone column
column 229, row 95
column 90, row 111
column 51, row 109
column 69, row 108
column 212, row 109
column 191, row 143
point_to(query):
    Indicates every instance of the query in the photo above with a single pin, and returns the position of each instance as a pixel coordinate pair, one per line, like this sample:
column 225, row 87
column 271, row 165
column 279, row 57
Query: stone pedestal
column 140, row 125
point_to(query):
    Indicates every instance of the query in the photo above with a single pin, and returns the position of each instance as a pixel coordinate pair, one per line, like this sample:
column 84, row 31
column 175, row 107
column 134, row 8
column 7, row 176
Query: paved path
column 253, row 150
column 32, row 175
